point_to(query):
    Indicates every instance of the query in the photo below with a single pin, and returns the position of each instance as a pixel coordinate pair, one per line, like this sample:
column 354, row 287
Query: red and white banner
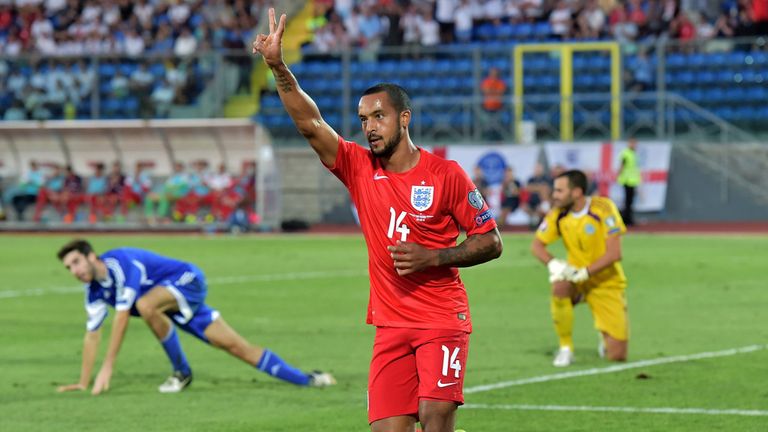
column 493, row 160
column 601, row 162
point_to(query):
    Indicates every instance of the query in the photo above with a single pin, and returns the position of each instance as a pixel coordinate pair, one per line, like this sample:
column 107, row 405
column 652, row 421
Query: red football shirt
column 427, row 205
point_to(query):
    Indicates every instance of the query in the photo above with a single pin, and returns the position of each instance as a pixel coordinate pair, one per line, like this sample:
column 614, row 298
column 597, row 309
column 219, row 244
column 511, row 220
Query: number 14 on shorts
column 451, row 360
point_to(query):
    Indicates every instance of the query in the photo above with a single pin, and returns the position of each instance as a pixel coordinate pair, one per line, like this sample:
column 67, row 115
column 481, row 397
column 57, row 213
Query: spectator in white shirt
column 591, row 20
column 444, row 15
column 185, row 44
column 12, row 45
column 143, row 10
column 463, row 22
column 162, row 97
column 560, row 20
column 119, row 86
column 429, row 31
column 134, row 44
column 179, row 12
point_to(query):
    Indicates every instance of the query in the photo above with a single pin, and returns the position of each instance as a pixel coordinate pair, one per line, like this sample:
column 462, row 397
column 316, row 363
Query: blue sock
column 175, row 354
column 272, row 364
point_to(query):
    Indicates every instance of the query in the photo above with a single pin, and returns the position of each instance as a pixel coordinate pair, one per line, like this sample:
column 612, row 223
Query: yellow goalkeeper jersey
column 584, row 234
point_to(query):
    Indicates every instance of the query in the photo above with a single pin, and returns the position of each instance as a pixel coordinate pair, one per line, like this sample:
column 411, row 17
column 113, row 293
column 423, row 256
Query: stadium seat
column 523, row 31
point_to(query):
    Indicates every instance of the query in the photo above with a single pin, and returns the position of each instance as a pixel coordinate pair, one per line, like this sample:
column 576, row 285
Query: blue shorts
column 190, row 289
column 204, row 316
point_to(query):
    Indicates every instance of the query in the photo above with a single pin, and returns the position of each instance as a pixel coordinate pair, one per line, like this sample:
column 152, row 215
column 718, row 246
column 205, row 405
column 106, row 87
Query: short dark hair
column 397, row 95
column 576, row 179
column 79, row 245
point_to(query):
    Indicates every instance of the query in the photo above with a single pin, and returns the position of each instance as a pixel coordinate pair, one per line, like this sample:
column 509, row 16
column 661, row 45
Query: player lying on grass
column 591, row 229
column 165, row 293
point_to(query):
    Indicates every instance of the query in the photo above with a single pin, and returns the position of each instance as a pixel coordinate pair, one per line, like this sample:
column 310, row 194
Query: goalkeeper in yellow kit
column 591, row 229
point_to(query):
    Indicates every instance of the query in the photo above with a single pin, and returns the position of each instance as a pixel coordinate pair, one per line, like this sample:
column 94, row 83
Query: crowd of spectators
column 154, row 31
column 198, row 194
column 341, row 24
column 125, row 27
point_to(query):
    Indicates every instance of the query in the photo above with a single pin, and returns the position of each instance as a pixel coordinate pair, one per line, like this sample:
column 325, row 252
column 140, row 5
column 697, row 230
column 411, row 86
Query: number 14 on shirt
column 396, row 224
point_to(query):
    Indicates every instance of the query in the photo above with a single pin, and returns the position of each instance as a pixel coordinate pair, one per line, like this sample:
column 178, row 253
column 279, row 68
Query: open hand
column 270, row 46
column 71, row 387
column 102, row 381
column 411, row 257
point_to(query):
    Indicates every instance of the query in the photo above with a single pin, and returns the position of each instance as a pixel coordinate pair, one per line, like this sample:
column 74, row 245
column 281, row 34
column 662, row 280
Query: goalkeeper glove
column 575, row 275
column 556, row 269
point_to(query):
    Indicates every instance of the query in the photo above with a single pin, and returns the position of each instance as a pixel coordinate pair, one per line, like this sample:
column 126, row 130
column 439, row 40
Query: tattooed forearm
column 476, row 249
column 284, row 79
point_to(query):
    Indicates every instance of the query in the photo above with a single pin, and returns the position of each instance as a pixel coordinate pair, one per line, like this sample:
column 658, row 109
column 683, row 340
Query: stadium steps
column 296, row 35
column 742, row 165
column 239, row 106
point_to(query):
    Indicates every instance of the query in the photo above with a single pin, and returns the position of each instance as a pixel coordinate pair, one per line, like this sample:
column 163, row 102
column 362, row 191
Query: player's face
column 562, row 195
column 80, row 266
column 382, row 124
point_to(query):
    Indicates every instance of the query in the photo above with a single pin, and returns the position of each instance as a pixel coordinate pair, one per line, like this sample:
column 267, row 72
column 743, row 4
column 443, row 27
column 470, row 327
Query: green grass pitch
column 305, row 297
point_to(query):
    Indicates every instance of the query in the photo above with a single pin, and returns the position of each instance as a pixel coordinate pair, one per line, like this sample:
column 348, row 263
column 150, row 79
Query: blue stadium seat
column 542, row 30
column 523, row 31
column 485, row 32
column 676, row 60
column 157, row 69
column 706, row 77
column 505, row 31
column 107, row 69
column 130, row 107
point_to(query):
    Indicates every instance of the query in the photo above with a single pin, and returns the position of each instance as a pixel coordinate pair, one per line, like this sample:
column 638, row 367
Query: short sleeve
column 547, row 231
column 467, row 205
column 348, row 157
column 128, row 282
column 613, row 224
column 96, row 311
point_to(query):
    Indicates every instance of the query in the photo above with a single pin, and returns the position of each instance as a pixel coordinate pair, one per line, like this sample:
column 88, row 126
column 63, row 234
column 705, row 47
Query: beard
column 389, row 146
column 566, row 204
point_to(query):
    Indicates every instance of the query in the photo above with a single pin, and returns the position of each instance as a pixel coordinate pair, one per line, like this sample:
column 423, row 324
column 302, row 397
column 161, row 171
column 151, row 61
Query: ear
column 405, row 118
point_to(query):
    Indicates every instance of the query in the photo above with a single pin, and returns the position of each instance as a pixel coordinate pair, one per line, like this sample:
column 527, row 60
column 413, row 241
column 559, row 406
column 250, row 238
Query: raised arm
column 302, row 109
column 119, row 325
column 476, row 249
column 90, row 348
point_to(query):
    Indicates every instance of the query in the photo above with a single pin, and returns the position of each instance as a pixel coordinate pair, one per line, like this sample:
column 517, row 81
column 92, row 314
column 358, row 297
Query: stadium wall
column 696, row 192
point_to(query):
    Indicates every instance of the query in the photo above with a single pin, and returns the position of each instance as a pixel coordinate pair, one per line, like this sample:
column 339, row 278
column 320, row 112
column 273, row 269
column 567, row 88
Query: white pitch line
column 224, row 280
column 662, row 410
column 615, row 368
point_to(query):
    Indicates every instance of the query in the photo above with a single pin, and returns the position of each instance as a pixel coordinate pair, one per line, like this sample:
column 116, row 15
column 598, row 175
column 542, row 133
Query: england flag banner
column 601, row 163
column 493, row 161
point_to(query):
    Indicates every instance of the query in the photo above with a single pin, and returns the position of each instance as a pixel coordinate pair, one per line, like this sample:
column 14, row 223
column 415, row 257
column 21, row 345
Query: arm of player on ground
column 302, row 109
column 119, row 326
column 126, row 293
column 90, row 349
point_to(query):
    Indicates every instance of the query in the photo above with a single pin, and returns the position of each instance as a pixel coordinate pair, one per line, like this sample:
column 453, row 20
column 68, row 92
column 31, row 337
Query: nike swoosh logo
column 441, row 384
column 379, row 177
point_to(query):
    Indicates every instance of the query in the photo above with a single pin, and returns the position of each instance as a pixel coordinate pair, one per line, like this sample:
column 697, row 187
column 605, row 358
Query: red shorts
column 412, row 364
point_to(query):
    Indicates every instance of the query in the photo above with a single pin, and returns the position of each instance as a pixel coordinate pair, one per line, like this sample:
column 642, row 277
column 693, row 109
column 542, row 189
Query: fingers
column 271, row 20
column 281, row 26
column 400, row 247
column 70, row 387
column 258, row 44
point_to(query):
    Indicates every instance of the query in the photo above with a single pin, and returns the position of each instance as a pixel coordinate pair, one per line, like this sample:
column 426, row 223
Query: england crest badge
column 421, row 197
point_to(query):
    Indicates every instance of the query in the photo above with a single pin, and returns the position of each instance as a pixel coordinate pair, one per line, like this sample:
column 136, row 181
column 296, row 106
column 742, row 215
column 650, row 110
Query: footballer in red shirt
column 412, row 206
